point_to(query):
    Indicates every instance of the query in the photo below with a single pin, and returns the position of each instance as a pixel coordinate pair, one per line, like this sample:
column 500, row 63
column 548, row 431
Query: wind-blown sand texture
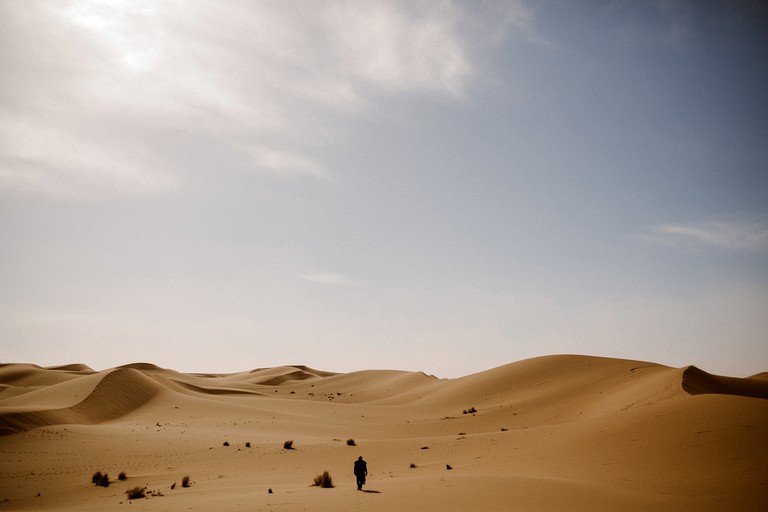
column 553, row 433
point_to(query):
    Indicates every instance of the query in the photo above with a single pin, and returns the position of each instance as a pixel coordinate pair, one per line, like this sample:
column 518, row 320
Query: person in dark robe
column 361, row 471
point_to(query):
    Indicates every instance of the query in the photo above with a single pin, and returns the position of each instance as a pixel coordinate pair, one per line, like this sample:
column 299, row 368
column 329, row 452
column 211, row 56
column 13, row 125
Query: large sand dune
column 550, row 433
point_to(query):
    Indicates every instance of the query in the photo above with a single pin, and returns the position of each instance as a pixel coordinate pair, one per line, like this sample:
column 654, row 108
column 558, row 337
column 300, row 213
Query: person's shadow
column 372, row 492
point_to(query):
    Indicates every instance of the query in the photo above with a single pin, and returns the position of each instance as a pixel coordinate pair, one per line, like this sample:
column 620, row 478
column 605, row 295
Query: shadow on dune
column 372, row 492
column 699, row 382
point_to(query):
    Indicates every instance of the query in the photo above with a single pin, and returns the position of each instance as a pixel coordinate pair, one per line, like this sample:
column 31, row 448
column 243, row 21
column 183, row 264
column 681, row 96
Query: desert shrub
column 135, row 493
column 471, row 410
column 173, row 486
column 351, row 442
column 288, row 445
column 100, row 479
column 324, row 480
column 226, row 443
column 248, row 444
column 185, row 481
column 122, row 476
column 448, row 467
column 413, row 465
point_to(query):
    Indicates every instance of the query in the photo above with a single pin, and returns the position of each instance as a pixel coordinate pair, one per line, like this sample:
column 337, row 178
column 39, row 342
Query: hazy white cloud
column 731, row 235
column 281, row 161
column 329, row 279
column 81, row 74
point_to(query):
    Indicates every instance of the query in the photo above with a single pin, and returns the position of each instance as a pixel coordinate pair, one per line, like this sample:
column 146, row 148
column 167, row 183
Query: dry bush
column 351, row 442
column 324, row 480
column 100, row 479
column 122, row 476
column 135, row 493
column 185, row 481
column 288, row 445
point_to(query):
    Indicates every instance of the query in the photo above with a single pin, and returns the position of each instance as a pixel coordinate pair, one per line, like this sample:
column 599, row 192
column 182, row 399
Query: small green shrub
column 324, row 480
column 185, row 481
column 288, row 445
column 135, row 493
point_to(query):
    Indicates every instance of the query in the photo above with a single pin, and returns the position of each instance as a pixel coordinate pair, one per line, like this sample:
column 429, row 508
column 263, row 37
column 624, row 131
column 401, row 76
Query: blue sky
column 436, row 186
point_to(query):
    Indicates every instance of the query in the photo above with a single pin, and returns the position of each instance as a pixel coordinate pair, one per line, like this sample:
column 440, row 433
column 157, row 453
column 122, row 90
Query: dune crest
column 116, row 393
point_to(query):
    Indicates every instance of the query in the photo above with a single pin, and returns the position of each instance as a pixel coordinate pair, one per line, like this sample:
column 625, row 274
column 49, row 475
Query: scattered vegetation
column 413, row 465
column 185, row 482
column 448, row 467
column 248, row 444
column 269, row 491
column 503, row 429
column 226, row 443
column 471, row 410
column 351, row 442
column 122, row 476
column 324, row 480
column 135, row 493
column 288, row 445
column 100, row 479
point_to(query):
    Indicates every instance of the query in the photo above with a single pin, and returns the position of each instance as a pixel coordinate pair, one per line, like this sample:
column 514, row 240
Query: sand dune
column 550, row 433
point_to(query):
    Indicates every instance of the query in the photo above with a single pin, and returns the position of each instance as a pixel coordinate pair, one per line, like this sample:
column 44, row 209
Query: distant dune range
column 549, row 433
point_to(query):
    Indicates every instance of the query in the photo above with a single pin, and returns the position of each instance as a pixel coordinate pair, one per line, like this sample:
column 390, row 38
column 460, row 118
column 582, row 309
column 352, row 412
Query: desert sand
column 553, row 433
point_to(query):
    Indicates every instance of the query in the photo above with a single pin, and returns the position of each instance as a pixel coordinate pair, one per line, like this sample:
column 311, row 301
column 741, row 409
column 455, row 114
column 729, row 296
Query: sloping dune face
column 550, row 433
column 107, row 396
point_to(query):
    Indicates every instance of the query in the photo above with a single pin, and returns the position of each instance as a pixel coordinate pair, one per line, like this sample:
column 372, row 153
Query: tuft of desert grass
column 324, row 480
column 135, row 493
column 122, row 476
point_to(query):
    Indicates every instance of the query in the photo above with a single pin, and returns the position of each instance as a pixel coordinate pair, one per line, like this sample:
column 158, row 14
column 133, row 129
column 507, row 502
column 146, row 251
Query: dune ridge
column 116, row 393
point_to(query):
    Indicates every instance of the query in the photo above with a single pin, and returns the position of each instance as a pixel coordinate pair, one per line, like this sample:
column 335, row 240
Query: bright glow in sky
column 437, row 186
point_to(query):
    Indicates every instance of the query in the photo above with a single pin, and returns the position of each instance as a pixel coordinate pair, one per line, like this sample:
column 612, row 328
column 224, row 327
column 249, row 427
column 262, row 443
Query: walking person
column 361, row 471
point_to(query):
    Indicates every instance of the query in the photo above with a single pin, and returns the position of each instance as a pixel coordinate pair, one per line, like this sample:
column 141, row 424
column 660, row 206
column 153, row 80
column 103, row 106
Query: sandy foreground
column 548, row 434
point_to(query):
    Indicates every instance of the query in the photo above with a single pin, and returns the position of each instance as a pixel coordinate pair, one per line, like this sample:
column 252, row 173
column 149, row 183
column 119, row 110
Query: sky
column 438, row 186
